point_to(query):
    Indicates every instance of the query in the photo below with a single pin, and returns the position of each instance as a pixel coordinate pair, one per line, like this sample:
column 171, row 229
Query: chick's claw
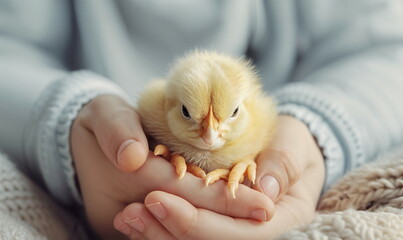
column 176, row 160
column 251, row 172
column 197, row 171
column 214, row 176
column 236, row 175
column 180, row 164
column 161, row 150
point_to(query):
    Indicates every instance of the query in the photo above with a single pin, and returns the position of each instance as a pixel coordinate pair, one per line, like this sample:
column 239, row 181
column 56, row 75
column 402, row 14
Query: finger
column 215, row 197
column 118, row 130
column 184, row 221
column 124, row 228
column 135, row 221
column 248, row 204
column 277, row 170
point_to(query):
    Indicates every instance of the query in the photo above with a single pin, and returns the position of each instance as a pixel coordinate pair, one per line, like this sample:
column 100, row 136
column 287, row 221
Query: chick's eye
column 185, row 112
column 235, row 113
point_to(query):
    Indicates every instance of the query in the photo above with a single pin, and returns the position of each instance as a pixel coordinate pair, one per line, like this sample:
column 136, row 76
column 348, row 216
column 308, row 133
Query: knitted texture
column 26, row 212
column 365, row 204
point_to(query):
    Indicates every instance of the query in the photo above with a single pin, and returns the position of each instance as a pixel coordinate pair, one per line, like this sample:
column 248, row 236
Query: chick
column 210, row 115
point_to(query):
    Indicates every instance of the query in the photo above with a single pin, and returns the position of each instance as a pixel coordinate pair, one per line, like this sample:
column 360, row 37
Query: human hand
column 106, row 176
column 293, row 158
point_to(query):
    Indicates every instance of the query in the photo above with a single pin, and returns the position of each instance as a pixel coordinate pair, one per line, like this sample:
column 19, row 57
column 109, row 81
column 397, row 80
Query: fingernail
column 270, row 186
column 136, row 223
column 157, row 210
column 123, row 147
column 125, row 230
column 259, row 214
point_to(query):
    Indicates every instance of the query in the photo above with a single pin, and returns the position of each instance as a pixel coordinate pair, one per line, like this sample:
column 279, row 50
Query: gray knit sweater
column 336, row 65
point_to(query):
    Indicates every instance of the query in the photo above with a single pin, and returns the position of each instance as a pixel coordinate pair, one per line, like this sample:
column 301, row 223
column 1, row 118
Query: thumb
column 117, row 128
column 277, row 171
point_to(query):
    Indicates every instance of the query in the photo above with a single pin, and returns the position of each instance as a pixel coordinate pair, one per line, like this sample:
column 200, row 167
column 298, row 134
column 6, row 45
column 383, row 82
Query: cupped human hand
column 114, row 168
column 294, row 167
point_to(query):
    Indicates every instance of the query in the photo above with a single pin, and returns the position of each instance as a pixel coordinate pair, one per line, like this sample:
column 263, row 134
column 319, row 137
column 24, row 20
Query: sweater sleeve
column 350, row 76
column 39, row 95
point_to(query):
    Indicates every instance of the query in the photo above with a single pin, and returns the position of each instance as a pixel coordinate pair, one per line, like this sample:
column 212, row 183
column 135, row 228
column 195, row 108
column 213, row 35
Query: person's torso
column 132, row 42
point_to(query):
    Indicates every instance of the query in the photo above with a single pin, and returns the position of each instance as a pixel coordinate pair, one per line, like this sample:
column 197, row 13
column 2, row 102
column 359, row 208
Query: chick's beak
column 209, row 129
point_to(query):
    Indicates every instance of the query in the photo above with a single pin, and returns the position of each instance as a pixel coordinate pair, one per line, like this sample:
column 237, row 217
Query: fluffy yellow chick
column 212, row 114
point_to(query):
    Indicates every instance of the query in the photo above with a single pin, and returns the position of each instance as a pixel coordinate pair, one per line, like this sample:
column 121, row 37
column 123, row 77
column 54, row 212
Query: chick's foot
column 236, row 175
column 215, row 175
column 179, row 162
column 176, row 160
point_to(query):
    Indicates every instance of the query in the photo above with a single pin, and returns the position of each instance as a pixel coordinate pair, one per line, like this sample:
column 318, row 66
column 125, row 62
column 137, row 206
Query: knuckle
column 120, row 115
column 190, row 231
column 152, row 233
column 95, row 106
column 291, row 165
column 135, row 236
column 117, row 123
column 105, row 107
column 83, row 116
column 227, row 203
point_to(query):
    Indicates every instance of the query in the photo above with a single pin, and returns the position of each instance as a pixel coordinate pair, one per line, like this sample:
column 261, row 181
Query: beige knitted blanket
column 365, row 204
column 26, row 212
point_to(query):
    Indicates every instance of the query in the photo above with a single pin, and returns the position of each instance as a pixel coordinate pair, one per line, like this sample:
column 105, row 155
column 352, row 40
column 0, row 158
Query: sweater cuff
column 50, row 130
column 335, row 132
